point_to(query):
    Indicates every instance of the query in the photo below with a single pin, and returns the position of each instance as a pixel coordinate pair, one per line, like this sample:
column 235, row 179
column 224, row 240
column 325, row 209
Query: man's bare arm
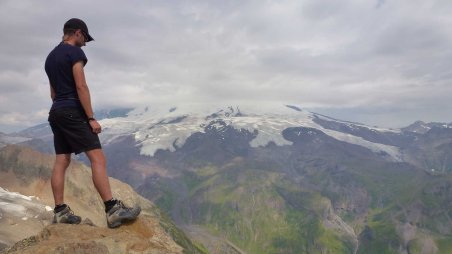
column 82, row 88
column 84, row 95
column 52, row 92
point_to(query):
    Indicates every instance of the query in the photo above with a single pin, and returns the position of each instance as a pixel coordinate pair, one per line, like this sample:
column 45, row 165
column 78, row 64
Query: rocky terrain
column 26, row 201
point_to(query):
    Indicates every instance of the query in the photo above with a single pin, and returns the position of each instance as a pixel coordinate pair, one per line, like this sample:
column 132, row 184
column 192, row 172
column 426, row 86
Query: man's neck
column 70, row 39
column 70, row 42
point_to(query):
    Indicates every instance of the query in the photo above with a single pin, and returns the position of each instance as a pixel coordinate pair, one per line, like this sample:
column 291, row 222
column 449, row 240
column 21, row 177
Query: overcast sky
column 380, row 62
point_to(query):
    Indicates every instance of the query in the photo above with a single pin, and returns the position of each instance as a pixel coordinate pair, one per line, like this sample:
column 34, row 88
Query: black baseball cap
column 75, row 24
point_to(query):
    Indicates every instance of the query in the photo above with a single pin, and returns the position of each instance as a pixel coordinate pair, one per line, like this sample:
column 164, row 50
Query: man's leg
column 99, row 171
column 62, row 212
column 116, row 212
column 62, row 162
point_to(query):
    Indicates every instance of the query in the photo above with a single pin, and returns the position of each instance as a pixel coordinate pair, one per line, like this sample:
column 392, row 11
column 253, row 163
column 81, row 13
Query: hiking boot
column 120, row 213
column 66, row 216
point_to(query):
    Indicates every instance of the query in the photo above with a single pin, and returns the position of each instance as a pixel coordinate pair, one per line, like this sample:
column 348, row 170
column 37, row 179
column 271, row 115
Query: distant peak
column 293, row 107
column 423, row 127
column 112, row 113
column 229, row 111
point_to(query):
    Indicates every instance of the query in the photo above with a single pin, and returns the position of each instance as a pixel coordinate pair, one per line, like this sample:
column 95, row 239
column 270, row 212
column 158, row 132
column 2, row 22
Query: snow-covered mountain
column 422, row 127
column 149, row 129
column 169, row 127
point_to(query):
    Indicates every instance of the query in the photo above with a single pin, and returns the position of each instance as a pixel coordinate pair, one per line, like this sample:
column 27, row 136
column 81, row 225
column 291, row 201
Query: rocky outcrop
column 142, row 236
column 26, row 172
column 20, row 216
column 332, row 221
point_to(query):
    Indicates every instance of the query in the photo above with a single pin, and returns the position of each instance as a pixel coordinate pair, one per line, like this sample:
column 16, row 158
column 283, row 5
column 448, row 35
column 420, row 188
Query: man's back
column 58, row 67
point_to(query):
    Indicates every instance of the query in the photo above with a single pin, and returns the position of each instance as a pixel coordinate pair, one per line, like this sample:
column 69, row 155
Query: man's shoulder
column 64, row 49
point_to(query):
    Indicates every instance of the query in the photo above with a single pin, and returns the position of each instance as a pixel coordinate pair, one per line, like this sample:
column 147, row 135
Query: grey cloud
column 328, row 54
column 403, row 39
column 379, row 3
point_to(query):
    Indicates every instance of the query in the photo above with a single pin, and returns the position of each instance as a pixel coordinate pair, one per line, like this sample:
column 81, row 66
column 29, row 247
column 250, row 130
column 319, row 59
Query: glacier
column 169, row 127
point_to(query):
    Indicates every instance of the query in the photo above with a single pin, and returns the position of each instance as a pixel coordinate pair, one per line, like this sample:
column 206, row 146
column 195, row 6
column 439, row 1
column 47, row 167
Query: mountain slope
column 27, row 171
column 317, row 195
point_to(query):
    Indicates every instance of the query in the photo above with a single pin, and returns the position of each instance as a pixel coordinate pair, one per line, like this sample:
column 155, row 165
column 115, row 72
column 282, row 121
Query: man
column 74, row 127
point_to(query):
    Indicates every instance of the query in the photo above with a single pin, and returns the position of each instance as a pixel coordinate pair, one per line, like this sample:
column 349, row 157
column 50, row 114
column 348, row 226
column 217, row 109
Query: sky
column 379, row 62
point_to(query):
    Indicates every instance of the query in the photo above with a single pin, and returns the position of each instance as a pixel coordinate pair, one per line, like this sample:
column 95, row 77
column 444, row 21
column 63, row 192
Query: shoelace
column 122, row 205
column 70, row 211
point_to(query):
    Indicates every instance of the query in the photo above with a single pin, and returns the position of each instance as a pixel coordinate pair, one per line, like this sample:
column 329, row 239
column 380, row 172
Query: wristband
column 91, row 119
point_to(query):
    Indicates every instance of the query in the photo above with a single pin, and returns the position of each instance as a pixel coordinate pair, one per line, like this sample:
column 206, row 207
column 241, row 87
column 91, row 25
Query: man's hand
column 95, row 126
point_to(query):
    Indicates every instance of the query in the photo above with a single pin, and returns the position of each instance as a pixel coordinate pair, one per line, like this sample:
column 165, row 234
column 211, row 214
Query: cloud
column 322, row 54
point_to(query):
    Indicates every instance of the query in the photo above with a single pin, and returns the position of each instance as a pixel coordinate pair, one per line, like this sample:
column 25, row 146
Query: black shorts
column 72, row 132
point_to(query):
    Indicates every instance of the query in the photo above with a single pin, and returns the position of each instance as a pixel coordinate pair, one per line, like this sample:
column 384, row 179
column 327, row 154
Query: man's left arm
column 52, row 92
column 84, row 95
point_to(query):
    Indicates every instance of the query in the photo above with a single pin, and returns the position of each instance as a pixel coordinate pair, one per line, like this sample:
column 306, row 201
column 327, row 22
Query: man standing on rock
column 74, row 127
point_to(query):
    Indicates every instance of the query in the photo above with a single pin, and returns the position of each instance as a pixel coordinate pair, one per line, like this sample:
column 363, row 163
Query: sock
column 109, row 204
column 59, row 208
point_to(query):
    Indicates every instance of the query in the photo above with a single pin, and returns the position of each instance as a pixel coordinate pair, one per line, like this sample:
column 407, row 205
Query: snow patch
column 13, row 208
column 13, row 195
column 20, row 205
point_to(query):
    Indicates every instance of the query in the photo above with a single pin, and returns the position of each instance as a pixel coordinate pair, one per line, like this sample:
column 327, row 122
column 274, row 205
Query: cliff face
column 27, row 172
